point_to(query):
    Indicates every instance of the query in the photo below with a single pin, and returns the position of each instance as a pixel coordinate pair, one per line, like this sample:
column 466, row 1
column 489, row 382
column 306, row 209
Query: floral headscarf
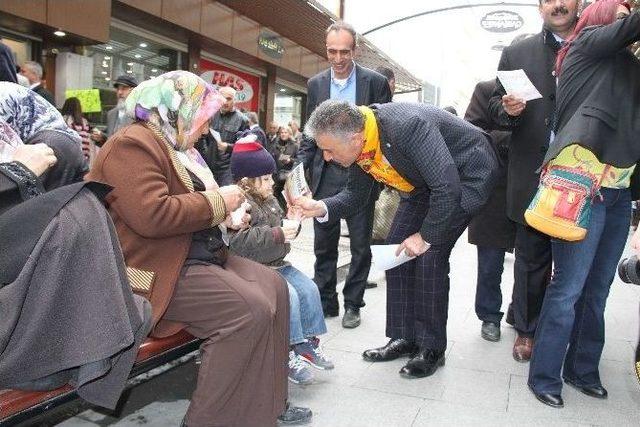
column 9, row 142
column 179, row 103
column 28, row 113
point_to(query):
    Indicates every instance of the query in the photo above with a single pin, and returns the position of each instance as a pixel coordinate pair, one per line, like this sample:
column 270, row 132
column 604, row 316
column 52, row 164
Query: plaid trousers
column 418, row 290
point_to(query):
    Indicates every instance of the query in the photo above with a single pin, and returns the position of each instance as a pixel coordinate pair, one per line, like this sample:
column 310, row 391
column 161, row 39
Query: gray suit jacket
column 371, row 88
column 436, row 152
column 112, row 122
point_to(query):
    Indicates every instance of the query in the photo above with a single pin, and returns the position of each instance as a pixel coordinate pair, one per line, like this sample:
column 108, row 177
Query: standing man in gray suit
column 116, row 117
column 445, row 168
column 347, row 81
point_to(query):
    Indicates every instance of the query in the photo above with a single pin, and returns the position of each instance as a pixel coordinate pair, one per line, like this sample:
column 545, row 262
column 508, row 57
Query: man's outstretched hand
column 309, row 208
column 413, row 245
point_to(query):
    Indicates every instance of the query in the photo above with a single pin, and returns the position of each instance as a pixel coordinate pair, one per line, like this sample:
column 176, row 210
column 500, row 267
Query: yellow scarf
column 371, row 159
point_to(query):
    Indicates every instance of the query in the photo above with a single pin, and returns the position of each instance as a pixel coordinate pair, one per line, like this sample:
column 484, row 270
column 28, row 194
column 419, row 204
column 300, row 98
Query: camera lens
column 628, row 270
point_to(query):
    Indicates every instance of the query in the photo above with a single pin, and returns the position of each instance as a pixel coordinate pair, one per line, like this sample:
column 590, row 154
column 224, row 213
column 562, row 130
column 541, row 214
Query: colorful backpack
column 561, row 207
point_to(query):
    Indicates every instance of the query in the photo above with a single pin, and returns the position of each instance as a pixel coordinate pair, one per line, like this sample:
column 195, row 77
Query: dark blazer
column 531, row 131
column 371, row 88
column 491, row 227
column 599, row 94
column 434, row 151
column 40, row 90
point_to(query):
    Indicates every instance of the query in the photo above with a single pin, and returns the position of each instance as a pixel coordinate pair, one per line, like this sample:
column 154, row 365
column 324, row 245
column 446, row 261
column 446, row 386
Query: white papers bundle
column 517, row 83
column 383, row 257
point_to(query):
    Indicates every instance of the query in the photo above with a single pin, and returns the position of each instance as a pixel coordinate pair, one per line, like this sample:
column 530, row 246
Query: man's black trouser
column 418, row 290
column 325, row 247
column 531, row 273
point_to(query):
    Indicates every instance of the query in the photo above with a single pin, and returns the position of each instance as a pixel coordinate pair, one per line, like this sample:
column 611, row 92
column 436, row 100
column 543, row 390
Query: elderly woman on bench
column 171, row 218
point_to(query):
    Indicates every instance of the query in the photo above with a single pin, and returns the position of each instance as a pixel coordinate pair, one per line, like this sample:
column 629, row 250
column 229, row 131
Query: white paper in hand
column 296, row 185
column 383, row 257
column 517, row 83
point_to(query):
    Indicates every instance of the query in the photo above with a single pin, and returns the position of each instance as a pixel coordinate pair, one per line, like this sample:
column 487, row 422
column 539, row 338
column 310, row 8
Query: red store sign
column 246, row 85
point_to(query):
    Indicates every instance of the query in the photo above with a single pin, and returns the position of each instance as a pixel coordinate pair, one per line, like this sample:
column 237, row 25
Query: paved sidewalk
column 480, row 385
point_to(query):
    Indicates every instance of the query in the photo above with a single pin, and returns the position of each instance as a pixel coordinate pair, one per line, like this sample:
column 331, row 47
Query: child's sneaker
column 299, row 372
column 312, row 354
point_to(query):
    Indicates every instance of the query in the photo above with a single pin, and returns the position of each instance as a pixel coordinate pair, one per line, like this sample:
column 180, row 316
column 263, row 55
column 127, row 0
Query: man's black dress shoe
column 553, row 400
column 370, row 285
column 423, row 365
column 596, row 391
column 394, row 349
column 351, row 318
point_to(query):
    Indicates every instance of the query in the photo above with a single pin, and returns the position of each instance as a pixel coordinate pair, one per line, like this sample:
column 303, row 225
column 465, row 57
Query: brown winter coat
column 155, row 211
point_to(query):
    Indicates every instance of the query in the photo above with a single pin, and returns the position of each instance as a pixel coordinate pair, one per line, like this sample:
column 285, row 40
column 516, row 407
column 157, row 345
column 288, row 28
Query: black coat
column 434, row 151
column 40, row 90
column 371, row 88
column 491, row 227
column 599, row 94
column 531, row 131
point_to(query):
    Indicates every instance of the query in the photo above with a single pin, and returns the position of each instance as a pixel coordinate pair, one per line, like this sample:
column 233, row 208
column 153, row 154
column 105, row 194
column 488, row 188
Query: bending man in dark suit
column 347, row 81
column 531, row 125
column 445, row 167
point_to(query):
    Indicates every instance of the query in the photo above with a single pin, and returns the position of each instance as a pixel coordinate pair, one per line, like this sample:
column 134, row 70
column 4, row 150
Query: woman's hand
column 37, row 157
column 233, row 197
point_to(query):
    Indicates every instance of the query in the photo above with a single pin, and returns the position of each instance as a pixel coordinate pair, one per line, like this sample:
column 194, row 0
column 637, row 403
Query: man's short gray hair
column 253, row 117
column 340, row 119
column 341, row 25
column 35, row 68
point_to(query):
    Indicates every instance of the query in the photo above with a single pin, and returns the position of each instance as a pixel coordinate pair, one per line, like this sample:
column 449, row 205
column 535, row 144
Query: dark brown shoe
column 522, row 349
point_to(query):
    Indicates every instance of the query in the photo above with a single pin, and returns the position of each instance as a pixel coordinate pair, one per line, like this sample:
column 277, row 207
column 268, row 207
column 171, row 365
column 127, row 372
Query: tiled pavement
column 480, row 385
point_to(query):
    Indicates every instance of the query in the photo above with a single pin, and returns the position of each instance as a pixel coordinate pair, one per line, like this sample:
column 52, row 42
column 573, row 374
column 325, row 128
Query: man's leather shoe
column 596, row 391
column 371, row 285
column 351, row 318
column 423, row 365
column 553, row 400
column 522, row 349
column 490, row 331
column 394, row 349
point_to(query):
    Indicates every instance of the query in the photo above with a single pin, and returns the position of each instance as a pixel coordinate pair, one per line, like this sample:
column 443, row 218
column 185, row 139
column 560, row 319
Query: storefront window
column 131, row 54
column 288, row 105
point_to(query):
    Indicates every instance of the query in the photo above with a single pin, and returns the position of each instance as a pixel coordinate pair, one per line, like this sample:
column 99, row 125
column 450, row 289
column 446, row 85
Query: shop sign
column 270, row 44
column 89, row 99
column 502, row 21
column 247, row 86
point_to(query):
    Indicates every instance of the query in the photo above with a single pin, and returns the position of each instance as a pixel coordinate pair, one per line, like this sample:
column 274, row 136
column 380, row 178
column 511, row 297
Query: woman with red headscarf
column 597, row 126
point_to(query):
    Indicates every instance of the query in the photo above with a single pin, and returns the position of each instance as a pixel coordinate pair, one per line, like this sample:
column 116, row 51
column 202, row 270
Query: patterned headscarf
column 28, row 113
column 178, row 103
column 9, row 142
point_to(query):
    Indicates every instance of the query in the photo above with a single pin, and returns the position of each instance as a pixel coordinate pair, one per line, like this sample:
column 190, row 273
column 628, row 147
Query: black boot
column 394, row 349
column 423, row 365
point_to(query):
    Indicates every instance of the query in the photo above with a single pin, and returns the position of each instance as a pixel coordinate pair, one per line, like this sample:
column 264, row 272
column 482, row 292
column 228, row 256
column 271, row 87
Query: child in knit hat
column 267, row 241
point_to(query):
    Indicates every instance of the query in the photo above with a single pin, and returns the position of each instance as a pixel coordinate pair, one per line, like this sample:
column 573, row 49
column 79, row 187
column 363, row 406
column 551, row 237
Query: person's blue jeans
column 488, row 292
column 306, row 317
column 573, row 308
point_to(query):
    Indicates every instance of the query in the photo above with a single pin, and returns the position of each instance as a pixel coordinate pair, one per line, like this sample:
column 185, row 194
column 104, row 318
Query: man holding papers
column 530, row 122
column 444, row 167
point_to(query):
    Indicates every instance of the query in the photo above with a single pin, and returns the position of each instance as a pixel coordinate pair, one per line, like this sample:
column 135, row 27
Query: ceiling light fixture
column 154, row 70
column 104, row 73
column 60, row 33
column 108, row 47
column 107, row 57
column 107, row 78
column 137, row 56
column 143, row 45
column 283, row 90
